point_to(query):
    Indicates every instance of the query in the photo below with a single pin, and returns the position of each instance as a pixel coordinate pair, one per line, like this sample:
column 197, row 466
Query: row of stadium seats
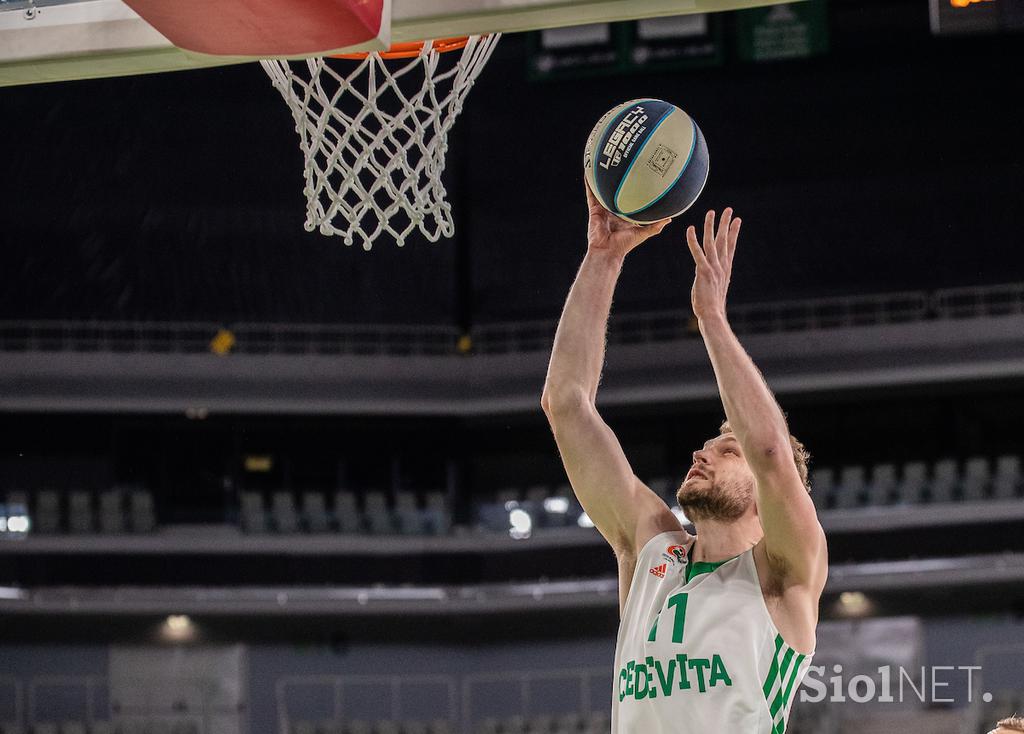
column 375, row 515
column 597, row 722
column 916, row 482
column 114, row 511
column 355, row 726
column 573, row 723
column 131, row 509
column 75, row 727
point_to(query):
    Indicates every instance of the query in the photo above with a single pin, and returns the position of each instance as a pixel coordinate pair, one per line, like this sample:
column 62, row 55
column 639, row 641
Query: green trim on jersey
column 698, row 567
column 778, row 686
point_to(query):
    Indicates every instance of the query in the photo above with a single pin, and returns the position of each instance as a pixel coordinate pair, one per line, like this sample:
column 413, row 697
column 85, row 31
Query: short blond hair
column 1014, row 723
column 801, row 456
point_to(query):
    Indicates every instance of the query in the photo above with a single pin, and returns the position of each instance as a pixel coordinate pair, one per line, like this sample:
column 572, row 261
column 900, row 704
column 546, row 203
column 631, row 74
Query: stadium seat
column 568, row 723
column 437, row 516
column 490, row 725
column 47, row 515
column 439, row 726
column 851, row 487
column 540, row 724
column 358, row 726
column 346, row 512
column 414, row 726
column 102, row 727
column 314, row 512
column 141, row 514
column 913, row 483
column 945, row 481
column 286, row 517
column 386, row 726
column 822, row 486
column 1007, row 477
column 111, row 515
column 302, row 727
column 329, row 726
column 976, row 479
column 408, row 517
column 378, row 516
column 17, row 504
column 882, row 488
column 598, row 722
column 538, row 493
column 514, row 725
column 72, row 727
column 253, row 513
column 45, row 727
column 11, row 727
column 80, row 512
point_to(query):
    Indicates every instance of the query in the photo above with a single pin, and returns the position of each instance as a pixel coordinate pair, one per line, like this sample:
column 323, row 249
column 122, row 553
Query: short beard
column 722, row 502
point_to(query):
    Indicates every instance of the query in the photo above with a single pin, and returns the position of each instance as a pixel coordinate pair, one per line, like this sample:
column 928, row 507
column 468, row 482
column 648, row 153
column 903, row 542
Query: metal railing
column 157, row 337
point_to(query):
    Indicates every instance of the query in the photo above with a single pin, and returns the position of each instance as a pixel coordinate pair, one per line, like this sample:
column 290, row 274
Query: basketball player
column 1012, row 725
column 717, row 629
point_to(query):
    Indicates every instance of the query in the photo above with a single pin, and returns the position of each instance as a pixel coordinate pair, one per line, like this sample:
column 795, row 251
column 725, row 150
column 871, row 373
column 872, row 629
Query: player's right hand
column 605, row 231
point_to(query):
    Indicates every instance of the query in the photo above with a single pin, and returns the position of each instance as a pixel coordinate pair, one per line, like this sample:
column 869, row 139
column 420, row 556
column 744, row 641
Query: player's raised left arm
column 792, row 533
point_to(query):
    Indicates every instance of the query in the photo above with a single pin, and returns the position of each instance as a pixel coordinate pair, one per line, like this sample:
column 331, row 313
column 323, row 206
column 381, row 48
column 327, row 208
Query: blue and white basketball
column 646, row 160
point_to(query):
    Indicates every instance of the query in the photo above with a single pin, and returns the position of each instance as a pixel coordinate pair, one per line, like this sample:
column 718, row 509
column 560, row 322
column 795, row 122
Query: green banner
column 790, row 31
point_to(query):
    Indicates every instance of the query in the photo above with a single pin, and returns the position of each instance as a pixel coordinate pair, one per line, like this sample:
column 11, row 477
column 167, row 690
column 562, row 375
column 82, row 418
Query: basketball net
column 374, row 152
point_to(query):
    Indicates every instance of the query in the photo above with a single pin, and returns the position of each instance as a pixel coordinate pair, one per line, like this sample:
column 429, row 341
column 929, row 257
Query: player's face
column 719, row 484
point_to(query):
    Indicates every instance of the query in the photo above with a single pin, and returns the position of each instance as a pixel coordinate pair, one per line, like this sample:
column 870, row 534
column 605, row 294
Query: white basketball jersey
column 700, row 655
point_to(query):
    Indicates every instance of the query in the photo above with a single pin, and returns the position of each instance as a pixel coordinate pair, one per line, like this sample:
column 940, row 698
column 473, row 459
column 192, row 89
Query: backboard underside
column 83, row 39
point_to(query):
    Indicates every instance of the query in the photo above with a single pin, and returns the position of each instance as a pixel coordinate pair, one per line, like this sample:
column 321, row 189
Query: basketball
column 646, row 160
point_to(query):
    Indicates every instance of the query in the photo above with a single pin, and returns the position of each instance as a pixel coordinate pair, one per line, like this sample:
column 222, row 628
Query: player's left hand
column 714, row 263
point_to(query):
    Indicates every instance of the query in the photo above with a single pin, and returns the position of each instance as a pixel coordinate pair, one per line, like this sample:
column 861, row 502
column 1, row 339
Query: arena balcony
column 901, row 339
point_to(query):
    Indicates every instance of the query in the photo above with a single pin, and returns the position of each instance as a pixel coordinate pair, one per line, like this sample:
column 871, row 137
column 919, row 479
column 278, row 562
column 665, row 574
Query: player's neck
column 720, row 541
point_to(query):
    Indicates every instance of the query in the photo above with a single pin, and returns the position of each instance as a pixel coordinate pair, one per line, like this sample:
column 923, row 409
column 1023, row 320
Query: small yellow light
column 854, row 603
column 222, row 343
column 465, row 344
column 179, row 622
column 178, row 628
column 259, row 464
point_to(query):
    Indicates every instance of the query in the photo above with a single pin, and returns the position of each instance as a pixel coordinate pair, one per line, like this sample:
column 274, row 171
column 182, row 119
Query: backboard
column 52, row 40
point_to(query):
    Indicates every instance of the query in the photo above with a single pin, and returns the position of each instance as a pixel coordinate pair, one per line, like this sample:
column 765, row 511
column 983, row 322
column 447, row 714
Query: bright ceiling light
column 178, row 628
column 17, row 524
column 556, row 505
column 854, row 603
column 520, row 524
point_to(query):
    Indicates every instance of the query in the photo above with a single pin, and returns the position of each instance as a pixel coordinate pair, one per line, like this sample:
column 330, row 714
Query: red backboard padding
column 263, row 28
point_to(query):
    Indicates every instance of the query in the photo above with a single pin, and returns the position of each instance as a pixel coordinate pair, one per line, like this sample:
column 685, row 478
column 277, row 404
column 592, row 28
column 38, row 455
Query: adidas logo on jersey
column 659, row 571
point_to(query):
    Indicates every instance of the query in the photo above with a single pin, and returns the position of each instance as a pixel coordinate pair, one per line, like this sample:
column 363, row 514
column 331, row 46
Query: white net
column 374, row 153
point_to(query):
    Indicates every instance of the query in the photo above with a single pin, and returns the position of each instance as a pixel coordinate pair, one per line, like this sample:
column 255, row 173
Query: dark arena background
column 255, row 481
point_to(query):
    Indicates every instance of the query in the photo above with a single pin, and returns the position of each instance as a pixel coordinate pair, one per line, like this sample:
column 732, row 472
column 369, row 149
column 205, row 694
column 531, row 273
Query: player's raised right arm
column 622, row 507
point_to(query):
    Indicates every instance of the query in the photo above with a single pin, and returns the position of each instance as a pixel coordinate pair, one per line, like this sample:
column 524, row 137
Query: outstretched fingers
column 722, row 237
column 734, row 235
column 699, row 259
column 709, row 237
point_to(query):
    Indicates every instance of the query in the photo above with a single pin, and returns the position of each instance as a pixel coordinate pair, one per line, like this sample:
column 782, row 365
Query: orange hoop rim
column 408, row 50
